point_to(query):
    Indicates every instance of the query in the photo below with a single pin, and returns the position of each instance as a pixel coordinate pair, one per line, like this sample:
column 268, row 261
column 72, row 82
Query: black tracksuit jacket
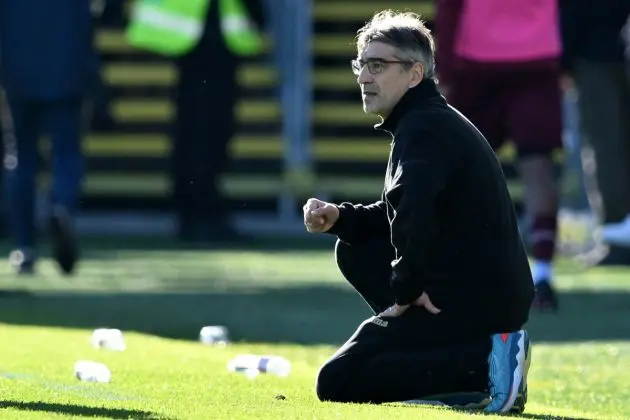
column 447, row 211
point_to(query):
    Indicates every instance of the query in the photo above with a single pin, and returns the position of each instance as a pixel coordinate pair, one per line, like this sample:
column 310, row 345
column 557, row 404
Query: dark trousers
column 395, row 359
column 205, row 97
column 61, row 121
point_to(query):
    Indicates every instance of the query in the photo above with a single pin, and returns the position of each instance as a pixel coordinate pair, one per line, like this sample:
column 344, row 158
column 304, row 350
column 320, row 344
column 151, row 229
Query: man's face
column 389, row 80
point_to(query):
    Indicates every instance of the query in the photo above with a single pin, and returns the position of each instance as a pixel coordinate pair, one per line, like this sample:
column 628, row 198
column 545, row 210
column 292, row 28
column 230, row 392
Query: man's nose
column 364, row 76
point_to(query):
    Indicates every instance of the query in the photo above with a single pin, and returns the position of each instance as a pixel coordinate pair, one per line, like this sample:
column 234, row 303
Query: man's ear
column 417, row 74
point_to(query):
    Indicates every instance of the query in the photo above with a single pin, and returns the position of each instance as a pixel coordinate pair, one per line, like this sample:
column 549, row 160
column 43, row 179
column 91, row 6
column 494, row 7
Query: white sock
column 541, row 270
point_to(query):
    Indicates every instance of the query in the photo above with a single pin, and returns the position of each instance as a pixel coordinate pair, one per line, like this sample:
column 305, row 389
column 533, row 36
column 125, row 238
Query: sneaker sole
column 458, row 401
column 424, row 402
column 517, row 345
column 521, row 399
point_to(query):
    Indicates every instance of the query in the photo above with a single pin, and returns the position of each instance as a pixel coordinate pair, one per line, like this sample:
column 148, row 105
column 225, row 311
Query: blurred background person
column 44, row 49
column 207, row 44
column 206, row 97
column 593, row 63
column 500, row 65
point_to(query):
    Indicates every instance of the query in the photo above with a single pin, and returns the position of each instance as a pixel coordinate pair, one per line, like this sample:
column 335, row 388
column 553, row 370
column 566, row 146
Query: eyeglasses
column 375, row 66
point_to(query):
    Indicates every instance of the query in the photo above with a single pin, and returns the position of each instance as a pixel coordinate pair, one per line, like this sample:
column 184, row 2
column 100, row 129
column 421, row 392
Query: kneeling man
column 439, row 258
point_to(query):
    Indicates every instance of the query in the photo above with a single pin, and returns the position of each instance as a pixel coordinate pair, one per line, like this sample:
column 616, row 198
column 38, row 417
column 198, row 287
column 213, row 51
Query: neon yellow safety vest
column 174, row 27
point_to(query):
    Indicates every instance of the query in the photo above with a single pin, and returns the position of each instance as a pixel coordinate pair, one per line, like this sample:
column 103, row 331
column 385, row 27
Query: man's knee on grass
column 331, row 381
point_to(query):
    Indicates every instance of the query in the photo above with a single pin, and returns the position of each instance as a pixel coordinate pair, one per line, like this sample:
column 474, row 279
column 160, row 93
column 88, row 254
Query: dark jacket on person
column 448, row 213
column 45, row 48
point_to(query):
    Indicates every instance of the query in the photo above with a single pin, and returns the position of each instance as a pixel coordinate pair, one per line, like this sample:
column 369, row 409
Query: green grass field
column 292, row 303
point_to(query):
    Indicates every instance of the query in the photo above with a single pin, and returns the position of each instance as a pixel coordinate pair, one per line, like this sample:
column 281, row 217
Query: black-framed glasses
column 375, row 66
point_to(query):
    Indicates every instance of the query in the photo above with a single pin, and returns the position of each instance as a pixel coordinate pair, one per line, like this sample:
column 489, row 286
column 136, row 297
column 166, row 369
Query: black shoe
column 63, row 240
column 545, row 298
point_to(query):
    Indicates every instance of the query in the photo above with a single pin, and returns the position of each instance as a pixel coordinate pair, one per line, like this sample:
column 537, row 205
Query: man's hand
column 423, row 301
column 319, row 216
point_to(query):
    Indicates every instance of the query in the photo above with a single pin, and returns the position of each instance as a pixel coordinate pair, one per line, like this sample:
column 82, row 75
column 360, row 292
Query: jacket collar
column 414, row 97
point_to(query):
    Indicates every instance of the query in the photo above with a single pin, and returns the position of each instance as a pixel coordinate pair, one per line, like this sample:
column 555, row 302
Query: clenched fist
column 319, row 216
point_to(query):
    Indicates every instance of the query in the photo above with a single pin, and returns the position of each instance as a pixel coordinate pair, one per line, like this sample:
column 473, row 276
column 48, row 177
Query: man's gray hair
column 404, row 31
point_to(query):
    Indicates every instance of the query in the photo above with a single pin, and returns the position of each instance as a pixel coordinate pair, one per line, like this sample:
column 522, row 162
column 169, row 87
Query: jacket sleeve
column 446, row 28
column 420, row 177
column 358, row 222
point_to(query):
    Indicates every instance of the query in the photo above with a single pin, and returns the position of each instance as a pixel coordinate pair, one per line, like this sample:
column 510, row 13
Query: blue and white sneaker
column 508, row 367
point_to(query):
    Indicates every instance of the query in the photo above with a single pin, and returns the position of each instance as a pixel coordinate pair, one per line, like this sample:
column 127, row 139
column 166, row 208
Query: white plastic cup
column 92, row 372
column 214, row 335
column 109, row 339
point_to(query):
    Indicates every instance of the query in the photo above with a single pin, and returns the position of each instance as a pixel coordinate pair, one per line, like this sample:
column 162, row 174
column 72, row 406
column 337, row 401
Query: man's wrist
column 338, row 226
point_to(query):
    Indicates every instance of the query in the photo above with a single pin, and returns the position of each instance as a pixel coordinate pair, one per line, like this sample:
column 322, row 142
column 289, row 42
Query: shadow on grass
column 311, row 314
column 80, row 410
